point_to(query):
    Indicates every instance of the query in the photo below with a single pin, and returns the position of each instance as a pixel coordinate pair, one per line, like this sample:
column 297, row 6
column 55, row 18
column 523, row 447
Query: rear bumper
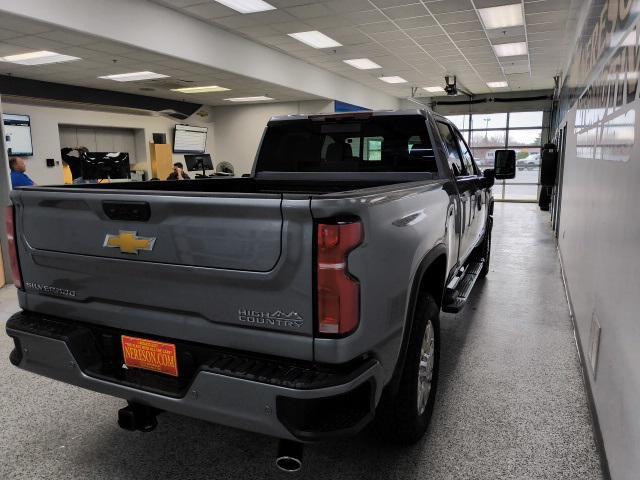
column 266, row 395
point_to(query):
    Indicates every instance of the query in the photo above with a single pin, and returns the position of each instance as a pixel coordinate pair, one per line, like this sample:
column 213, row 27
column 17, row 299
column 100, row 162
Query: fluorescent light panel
column 261, row 98
column 209, row 89
column 134, row 76
column 392, row 79
column 41, row 57
column 362, row 63
column 247, row 6
column 502, row 17
column 497, row 84
column 433, row 89
column 315, row 39
column 511, row 49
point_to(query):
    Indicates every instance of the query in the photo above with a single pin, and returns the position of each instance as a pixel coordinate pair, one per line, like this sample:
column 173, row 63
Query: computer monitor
column 17, row 129
column 102, row 165
column 196, row 163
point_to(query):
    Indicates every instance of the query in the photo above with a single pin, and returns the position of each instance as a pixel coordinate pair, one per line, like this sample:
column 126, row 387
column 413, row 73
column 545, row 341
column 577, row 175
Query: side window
column 455, row 162
column 373, row 149
column 467, row 158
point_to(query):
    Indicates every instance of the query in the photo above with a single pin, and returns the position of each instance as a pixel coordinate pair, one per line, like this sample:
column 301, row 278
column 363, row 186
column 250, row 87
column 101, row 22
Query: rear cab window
column 374, row 144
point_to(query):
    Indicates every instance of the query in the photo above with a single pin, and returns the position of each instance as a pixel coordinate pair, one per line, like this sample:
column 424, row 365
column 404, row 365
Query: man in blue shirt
column 18, row 178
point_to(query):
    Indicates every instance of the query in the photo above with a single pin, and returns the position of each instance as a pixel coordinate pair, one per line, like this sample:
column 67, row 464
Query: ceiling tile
column 416, row 22
column 405, row 11
column 448, row 6
column 350, row 6
column 310, row 11
column 70, row 38
column 329, row 22
column 361, row 18
column 209, row 10
column 457, row 17
column 377, row 27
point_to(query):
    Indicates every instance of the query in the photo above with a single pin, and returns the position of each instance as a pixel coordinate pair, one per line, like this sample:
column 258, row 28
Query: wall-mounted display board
column 189, row 139
column 17, row 130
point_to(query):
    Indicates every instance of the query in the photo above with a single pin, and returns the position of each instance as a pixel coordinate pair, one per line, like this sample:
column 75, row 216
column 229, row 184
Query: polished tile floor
column 511, row 403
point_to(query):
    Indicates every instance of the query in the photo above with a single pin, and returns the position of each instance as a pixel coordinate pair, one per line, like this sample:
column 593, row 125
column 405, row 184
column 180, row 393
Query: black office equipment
column 548, row 173
column 549, row 165
column 195, row 163
column 51, row 162
column 160, row 138
column 105, row 165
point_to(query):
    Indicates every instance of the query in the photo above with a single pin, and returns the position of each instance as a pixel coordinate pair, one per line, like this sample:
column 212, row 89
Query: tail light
column 13, row 247
column 338, row 292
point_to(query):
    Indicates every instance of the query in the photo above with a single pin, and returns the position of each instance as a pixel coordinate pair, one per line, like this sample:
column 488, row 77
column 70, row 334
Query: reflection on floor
column 511, row 403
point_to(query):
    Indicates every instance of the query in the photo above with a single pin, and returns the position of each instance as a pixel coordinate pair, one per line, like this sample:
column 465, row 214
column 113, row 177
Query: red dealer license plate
column 150, row 355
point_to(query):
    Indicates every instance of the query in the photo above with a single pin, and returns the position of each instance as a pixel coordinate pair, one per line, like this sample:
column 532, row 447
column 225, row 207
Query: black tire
column 485, row 249
column 398, row 418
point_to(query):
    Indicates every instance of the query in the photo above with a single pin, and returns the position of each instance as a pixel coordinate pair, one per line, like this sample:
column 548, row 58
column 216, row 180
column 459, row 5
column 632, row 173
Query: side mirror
column 489, row 178
column 505, row 164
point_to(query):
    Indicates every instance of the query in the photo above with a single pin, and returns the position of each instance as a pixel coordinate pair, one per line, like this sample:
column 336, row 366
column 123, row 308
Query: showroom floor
column 511, row 403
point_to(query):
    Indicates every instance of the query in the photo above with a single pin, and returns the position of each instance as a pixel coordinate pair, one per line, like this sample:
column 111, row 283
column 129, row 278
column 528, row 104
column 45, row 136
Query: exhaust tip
column 289, row 464
column 289, row 457
column 138, row 417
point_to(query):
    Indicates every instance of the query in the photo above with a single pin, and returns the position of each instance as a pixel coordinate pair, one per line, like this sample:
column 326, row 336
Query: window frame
column 467, row 135
column 452, row 128
column 474, row 166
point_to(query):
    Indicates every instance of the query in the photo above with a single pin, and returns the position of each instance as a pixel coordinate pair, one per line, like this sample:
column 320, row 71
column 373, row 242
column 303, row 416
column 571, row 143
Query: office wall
column 239, row 128
column 45, row 131
column 599, row 229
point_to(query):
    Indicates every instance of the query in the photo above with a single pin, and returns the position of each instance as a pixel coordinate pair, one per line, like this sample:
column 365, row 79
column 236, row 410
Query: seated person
column 18, row 178
column 72, row 158
column 178, row 173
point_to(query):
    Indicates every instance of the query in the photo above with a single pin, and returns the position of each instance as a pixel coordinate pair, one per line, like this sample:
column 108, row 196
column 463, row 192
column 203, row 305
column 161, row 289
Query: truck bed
column 278, row 184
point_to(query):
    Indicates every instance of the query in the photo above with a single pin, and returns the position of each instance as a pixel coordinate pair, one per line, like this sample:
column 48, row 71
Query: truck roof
column 372, row 113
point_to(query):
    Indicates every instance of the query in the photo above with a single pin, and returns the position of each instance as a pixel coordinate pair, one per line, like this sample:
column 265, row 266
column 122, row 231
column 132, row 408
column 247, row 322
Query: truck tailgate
column 229, row 233
column 224, row 270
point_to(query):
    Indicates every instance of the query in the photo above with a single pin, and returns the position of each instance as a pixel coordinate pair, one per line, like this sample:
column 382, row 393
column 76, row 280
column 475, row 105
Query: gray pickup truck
column 301, row 302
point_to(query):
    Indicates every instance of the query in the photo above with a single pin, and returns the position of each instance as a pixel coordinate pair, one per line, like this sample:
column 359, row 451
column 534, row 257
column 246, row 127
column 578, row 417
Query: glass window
column 521, row 192
column 489, row 120
column 373, row 149
column 455, row 162
column 527, row 136
column 521, row 131
column 525, row 119
column 374, row 144
column 488, row 138
column 466, row 157
column 463, row 122
column 484, row 157
column 527, row 165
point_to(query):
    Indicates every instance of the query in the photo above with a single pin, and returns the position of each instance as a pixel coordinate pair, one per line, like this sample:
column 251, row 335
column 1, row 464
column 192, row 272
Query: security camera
column 450, row 85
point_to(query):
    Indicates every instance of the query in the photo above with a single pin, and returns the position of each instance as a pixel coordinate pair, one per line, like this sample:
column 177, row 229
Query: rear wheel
column 404, row 417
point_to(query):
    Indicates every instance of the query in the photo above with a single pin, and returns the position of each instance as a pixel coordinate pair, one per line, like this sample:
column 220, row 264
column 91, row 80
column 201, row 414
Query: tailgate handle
column 129, row 211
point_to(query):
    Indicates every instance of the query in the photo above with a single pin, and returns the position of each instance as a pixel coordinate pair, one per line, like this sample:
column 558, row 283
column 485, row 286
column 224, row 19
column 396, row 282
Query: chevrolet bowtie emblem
column 129, row 242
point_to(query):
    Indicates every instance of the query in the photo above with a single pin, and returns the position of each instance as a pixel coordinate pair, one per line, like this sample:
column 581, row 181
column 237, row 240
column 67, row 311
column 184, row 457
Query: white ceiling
column 418, row 40
column 101, row 57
